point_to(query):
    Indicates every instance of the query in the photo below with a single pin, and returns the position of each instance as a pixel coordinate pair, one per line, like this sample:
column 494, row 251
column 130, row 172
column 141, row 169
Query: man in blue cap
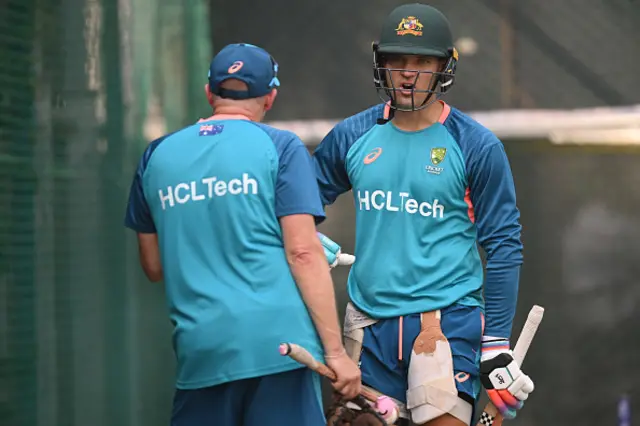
column 225, row 211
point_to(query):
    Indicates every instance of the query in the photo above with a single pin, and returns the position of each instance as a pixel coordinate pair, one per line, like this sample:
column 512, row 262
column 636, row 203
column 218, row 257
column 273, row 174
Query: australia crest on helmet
column 409, row 25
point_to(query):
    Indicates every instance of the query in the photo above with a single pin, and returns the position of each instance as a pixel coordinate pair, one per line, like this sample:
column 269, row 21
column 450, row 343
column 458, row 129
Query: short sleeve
column 296, row 186
column 329, row 162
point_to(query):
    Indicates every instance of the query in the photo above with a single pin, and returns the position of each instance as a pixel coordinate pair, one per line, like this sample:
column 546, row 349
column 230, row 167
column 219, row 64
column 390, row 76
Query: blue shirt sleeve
column 138, row 215
column 296, row 187
column 330, row 156
column 497, row 220
column 329, row 162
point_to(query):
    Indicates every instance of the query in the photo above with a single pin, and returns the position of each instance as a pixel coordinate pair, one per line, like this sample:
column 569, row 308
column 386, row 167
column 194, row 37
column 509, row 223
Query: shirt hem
column 240, row 376
column 141, row 229
column 464, row 300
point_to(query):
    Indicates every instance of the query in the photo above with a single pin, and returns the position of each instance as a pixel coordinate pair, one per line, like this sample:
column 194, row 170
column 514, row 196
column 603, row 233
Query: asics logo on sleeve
column 206, row 188
column 400, row 202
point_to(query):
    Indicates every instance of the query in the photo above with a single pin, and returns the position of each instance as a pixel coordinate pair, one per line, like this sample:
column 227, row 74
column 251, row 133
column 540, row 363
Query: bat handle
column 301, row 355
column 528, row 332
column 490, row 414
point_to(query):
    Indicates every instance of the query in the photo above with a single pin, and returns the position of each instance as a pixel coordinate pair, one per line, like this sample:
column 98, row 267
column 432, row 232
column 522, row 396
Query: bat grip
column 301, row 355
column 325, row 371
column 528, row 332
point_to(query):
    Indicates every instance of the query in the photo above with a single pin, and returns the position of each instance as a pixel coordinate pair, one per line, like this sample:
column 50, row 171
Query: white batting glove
column 333, row 252
column 507, row 386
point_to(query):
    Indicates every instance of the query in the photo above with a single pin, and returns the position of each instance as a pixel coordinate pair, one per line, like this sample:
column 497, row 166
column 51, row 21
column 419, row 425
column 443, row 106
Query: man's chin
column 404, row 102
column 407, row 105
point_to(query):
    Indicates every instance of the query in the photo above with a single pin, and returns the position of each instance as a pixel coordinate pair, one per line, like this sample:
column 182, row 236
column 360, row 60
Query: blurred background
column 86, row 84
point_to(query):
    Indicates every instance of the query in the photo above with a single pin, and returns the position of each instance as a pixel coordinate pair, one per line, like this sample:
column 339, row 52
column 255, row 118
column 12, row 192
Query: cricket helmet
column 415, row 29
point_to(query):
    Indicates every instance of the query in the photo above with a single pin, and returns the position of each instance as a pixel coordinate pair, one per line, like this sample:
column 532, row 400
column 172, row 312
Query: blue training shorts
column 292, row 398
column 383, row 370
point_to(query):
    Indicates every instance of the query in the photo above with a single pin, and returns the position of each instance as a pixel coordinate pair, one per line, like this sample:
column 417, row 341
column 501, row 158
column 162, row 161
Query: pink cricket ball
column 387, row 409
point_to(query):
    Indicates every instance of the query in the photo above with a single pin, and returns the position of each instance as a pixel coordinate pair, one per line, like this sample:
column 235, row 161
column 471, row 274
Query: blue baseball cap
column 245, row 62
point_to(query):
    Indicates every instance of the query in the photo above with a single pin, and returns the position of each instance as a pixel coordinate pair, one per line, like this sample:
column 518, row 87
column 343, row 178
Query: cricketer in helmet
column 430, row 184
column 415, row 60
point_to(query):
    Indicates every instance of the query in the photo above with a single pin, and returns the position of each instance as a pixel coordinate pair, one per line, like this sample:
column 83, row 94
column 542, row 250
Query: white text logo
column 381, row 200
column 206, row 188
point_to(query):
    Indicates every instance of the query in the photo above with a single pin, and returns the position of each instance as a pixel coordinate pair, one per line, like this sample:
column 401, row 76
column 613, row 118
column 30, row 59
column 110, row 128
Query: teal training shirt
column 213, row 192
column 423, row 201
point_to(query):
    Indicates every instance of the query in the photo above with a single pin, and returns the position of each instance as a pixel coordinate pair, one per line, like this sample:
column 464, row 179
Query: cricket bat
column 301, row 355
column 490, row 415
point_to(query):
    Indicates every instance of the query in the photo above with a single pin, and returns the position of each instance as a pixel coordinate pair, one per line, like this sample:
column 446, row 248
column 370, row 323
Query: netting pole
column 113, row 190
column 197, row 51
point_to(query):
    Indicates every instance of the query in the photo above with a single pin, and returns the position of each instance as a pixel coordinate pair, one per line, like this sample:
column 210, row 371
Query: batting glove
column 507, row 386
column 334, row 254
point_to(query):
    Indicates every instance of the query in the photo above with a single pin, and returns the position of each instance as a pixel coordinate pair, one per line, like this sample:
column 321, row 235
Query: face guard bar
column 440, row 82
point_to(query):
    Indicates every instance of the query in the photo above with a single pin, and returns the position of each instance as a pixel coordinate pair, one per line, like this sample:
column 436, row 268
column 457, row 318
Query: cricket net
column 83, row 84
column 575, row 172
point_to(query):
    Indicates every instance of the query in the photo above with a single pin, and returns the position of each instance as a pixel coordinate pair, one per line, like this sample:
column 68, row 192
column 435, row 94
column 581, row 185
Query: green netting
column 84, row 338
column 17, row 222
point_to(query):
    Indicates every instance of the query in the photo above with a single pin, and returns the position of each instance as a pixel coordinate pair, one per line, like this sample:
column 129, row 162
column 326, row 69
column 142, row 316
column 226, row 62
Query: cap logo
column 409, row 25
column 235, row 67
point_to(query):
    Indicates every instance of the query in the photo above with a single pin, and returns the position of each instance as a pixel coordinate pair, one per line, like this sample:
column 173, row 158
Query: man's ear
column 270, row 99
column 209, row 94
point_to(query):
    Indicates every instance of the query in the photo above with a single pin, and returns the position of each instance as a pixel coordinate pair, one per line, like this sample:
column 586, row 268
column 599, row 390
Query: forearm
column 501, row 297
column 312, row 276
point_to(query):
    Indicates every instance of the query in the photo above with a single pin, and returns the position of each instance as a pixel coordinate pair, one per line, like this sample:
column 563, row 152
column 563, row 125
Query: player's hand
column 348, row 381
column 507, row 386
column 334, row 254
